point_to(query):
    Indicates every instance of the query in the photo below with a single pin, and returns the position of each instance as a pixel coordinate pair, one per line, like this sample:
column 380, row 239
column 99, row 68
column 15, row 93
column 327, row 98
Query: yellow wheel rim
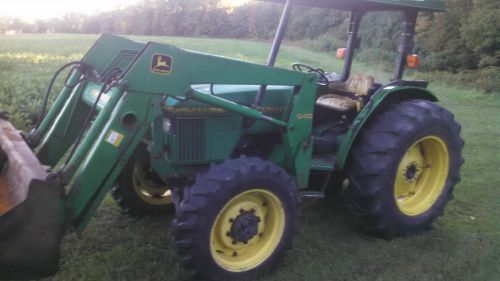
column 148, row 190
column 247, row 230
column 421, row 175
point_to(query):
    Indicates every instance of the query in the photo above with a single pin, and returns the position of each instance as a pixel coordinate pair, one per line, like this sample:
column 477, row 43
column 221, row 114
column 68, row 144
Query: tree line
column 467, row 37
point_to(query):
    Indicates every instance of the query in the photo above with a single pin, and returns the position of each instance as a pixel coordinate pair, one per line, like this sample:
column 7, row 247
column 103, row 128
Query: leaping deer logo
column 161, row 64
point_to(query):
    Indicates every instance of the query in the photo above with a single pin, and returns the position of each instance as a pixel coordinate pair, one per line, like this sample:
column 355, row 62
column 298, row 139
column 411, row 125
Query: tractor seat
column 356, row 84
column 337, row 102
column 346, row 94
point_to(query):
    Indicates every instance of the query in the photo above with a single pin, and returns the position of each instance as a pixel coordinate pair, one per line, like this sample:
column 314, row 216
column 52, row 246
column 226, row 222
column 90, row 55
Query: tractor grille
column 191, row 139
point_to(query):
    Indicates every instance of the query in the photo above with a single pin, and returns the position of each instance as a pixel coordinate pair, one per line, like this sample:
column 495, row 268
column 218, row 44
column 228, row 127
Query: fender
column 389, row 93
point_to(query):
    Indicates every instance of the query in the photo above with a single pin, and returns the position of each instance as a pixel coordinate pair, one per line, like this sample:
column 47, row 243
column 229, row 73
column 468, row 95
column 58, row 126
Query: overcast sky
column 43, row 9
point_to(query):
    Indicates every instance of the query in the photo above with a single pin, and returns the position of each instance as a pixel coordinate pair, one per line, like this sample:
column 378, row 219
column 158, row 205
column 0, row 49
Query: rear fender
column 384, row 95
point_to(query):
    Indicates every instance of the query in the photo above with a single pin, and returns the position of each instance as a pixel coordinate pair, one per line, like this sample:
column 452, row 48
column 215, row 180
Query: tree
column 481, row 32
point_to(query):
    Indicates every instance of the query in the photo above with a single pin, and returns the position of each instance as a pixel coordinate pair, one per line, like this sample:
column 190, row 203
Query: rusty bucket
column 29, row 210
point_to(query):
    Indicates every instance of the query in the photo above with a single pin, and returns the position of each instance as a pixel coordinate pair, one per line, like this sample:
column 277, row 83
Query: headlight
column 166, row 124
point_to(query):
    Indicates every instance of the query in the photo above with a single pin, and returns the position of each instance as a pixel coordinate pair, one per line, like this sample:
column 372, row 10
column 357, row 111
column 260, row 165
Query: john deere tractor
column 232, row 146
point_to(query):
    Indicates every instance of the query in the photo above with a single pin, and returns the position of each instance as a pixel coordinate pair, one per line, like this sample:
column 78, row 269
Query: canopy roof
column 426, row 5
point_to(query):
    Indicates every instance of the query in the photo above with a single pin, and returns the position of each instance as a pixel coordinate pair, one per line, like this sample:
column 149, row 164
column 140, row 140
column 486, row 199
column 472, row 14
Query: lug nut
column 252, row 211
column 235, row 254
column 234, row 242
column 228, row 234
column 231, row 220
column 242, row 211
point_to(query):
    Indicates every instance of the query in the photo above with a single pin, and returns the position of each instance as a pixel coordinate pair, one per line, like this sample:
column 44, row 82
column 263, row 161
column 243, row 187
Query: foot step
column 312, row 194
column 322, row 164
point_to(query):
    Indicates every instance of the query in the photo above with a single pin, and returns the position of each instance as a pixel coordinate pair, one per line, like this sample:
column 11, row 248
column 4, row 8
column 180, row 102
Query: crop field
column 463, row 245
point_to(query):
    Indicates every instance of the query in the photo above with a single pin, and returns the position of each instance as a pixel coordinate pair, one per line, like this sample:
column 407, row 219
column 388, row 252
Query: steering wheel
column 306, row 68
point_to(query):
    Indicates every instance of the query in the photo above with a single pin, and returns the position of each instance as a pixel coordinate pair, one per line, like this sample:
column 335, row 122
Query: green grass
column 463, row 245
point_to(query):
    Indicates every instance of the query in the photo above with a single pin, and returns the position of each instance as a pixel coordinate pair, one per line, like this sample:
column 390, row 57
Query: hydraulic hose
column 49, row 89
column 112, row 75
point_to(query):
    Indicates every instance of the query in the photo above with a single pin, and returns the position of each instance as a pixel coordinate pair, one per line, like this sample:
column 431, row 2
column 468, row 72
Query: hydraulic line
column 112, row 75
column 49, row 89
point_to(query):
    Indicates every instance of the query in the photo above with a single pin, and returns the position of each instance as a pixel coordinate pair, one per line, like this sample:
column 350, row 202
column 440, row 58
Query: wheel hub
column 245, row 227
column 412, row 172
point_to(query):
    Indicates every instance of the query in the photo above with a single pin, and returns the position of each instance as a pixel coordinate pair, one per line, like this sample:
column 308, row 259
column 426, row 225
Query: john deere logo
column 161, row 64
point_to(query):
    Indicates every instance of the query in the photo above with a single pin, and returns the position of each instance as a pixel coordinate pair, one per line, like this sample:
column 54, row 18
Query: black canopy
column 424, row 5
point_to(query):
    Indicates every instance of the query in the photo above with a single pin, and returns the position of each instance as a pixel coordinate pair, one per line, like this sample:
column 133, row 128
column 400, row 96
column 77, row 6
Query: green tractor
column 232, row 146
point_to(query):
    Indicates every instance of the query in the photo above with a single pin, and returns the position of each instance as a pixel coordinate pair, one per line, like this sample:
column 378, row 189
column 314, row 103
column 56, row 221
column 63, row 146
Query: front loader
column 232, row 144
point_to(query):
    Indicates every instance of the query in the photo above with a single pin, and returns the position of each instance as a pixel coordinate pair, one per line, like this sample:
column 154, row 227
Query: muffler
column 30, row 227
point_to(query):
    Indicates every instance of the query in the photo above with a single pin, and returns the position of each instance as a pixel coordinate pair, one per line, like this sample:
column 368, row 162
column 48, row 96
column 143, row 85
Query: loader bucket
column 29, row 211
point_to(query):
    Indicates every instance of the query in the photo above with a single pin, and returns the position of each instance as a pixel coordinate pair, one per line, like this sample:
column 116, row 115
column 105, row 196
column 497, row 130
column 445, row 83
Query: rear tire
column 403, row 168
column 237, row 220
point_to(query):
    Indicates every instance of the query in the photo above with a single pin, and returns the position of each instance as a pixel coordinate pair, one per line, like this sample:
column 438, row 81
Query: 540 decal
column 305, row 116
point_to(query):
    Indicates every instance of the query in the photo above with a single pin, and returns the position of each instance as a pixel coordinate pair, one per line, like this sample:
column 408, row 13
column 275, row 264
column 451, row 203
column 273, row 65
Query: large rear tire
column 237, row 220
column 403, row 168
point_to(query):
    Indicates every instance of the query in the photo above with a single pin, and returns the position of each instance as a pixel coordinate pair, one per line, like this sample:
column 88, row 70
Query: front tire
column 139, row 191
column 403, row 168
column 237, row 220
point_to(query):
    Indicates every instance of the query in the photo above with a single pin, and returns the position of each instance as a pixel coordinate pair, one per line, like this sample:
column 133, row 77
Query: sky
column 44, row 9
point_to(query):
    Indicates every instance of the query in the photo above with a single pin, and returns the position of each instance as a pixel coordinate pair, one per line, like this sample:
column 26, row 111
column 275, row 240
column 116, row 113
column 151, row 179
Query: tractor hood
column 275, row 101
column 381, row 5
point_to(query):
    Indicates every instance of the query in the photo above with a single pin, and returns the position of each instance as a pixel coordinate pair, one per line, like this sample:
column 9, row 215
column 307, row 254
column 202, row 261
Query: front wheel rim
column 421, row 175
column 247, row 230
column 148, row 190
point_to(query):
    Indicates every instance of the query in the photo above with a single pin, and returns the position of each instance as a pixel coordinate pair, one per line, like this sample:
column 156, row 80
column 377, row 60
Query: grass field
column 463, row 245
